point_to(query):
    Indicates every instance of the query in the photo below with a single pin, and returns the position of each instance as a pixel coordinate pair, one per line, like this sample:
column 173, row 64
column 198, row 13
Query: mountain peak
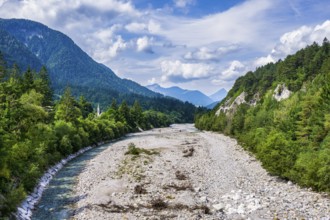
column 193, row 96
column 219, row 95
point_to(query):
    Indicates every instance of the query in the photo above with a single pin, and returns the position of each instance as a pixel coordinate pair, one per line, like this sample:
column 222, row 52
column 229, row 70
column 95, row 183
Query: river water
column 57, row 201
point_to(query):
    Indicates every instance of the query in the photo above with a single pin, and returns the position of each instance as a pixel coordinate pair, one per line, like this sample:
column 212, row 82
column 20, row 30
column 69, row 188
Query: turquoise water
column 57, row 201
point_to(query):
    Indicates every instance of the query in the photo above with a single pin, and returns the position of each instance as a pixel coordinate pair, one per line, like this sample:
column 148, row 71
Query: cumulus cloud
column 295, row 40
column 144, row 44
column 263, row 61
column 235, row 69
column 176, row 71
column 229, row 75
column 115, row 46
column 105, row 35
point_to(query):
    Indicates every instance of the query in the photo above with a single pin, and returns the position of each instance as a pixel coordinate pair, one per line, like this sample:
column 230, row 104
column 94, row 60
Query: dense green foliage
column 35, row 132
column 290, row 137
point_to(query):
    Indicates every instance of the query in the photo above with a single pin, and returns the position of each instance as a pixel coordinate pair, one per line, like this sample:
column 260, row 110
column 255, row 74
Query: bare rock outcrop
column 281, row 92
column 231, row 107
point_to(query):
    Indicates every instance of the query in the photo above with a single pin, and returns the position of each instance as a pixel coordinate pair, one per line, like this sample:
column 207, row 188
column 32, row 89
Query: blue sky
column 195, row 44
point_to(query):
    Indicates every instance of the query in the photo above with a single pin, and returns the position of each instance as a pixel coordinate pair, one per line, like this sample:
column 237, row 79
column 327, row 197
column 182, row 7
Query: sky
column 194, row 44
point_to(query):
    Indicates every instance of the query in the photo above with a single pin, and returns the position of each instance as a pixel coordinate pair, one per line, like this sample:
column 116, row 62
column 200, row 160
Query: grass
column 136, row 151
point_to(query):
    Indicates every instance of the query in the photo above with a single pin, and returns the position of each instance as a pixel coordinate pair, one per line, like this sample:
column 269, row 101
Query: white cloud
column 118, row 45
column 240, row 24
column 227, row 49
column 144, row 44
column 263, row 61
column 235, row 69
column 183, row 3
column 105, row 35
column 113, row 49
column 154, row 27
column 203, row 53
column 295, row 40
column 150, row 26
column 206, row 54
column 111, row 5
column 176, row 71
column 135, row 27
column 229, row 75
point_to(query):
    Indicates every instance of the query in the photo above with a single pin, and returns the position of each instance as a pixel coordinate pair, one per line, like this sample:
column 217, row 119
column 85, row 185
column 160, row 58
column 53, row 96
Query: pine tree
column 28, row 80
column 67, row 109
column 136, row 113
column 45, row 87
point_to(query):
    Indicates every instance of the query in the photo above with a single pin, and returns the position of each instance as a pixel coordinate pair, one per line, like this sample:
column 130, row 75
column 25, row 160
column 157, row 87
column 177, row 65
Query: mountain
column 193, row 96
column 280, row 112
column 219, row 95
column 33, row 43
column 11, row 48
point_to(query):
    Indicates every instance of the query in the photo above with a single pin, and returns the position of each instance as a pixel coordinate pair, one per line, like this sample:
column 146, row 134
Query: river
column 58, row 198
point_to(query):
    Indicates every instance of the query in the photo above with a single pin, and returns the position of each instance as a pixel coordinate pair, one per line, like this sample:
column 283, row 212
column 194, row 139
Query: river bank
column 192, row 175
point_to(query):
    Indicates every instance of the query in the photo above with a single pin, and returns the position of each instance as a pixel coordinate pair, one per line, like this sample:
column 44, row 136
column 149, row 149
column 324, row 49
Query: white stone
column 219, row 206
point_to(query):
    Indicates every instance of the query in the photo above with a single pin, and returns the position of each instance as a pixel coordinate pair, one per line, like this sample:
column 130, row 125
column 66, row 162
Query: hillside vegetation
column 36, row 133
column 290, row 134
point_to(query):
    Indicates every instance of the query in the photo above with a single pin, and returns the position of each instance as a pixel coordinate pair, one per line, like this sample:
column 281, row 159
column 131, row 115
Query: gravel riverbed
column 193, row 175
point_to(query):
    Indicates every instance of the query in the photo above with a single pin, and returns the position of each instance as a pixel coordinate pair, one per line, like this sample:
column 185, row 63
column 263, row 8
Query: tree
column 67, row 109
column 44, row 87
column 28, row 79
column 136, row 113
column 85, row 107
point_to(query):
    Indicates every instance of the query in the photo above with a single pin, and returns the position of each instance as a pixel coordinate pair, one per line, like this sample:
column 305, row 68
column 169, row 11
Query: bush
column 133, row 150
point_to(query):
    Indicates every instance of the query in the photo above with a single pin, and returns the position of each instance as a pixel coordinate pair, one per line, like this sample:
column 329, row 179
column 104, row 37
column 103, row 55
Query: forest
column 290, row 137
column 36, row 132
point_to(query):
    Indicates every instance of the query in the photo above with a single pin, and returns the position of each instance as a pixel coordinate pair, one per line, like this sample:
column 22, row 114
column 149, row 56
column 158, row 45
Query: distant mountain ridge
column 68, row 64
column 193, row 96
column 219, row 95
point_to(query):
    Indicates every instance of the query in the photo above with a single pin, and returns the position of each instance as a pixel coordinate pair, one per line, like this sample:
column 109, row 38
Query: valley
column 181, row 109
column 218, row 180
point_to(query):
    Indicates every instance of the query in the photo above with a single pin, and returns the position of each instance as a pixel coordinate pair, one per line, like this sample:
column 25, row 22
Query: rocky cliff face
column 232, row 106
column 281, row 92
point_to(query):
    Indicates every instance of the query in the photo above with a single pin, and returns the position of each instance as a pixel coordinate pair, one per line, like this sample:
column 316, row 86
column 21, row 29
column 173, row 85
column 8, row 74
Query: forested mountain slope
column 281, row 112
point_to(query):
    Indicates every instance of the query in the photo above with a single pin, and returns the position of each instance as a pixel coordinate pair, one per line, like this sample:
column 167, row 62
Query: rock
column 197, row 189
column 219, row 206
column 203, row 199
